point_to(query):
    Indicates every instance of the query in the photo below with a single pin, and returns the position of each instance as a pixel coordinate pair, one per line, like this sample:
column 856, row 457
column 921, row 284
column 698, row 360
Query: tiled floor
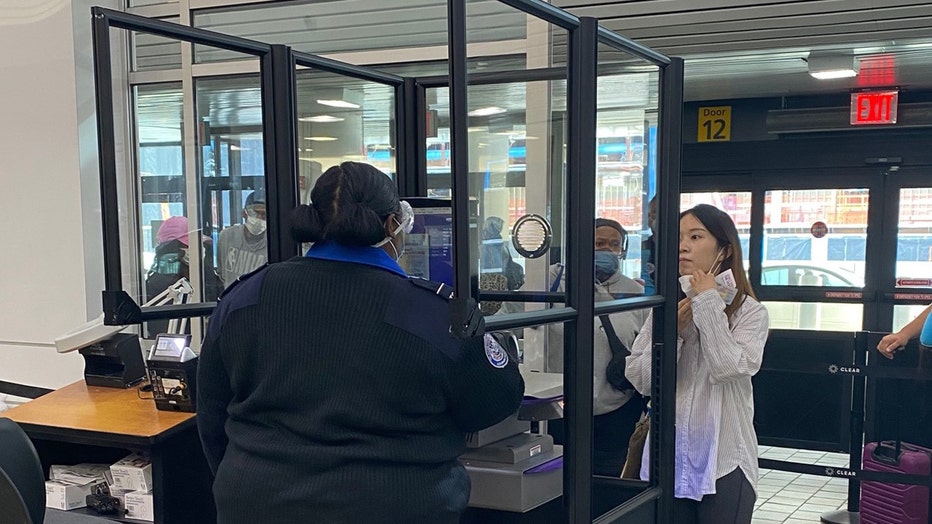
column 791, row 498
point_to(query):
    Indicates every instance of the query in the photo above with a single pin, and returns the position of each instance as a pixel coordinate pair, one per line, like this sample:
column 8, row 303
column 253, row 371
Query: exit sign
column 874, row 107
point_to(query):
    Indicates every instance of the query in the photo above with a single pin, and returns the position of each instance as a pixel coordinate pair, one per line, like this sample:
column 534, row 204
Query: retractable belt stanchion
column 860, row 372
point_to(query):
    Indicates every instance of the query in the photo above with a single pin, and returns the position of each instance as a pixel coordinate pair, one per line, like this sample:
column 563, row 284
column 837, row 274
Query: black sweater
column 333, row 392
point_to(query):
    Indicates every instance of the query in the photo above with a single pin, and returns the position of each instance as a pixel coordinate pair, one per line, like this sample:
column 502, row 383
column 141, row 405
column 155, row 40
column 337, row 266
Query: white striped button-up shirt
column 716, row 358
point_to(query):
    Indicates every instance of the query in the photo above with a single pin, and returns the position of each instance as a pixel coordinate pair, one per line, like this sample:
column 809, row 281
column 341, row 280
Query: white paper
column 724, row 283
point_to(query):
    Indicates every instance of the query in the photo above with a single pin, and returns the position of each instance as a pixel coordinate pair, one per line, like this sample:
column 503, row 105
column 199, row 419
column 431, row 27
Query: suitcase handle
column 887, row 452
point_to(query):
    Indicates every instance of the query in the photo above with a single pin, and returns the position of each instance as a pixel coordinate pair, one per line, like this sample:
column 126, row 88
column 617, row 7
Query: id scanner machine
column 113, row 358
column 512, row 469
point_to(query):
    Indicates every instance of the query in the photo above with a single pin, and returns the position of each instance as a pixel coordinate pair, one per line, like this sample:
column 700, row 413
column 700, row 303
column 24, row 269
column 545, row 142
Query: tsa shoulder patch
column 496, row 354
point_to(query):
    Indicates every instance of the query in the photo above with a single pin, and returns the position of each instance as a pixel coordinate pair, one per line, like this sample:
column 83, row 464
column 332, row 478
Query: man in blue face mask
column 611, row 247
column 615, row 404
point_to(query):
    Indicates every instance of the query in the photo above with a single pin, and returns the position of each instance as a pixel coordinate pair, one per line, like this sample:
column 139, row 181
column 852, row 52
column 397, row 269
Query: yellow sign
column 715, row 124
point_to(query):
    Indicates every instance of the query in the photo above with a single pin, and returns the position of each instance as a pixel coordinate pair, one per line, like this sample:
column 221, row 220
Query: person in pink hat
column 172, row 262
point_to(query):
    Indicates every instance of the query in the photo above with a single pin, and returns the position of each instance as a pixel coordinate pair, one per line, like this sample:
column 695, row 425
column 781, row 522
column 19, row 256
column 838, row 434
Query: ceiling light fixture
column 321, row 118
column 831, row 66
column 338, row 103
column 487, row 111
column 321, row 138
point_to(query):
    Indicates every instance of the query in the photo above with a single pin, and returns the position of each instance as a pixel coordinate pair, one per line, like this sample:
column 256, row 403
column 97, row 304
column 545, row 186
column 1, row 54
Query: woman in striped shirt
column 720, row 344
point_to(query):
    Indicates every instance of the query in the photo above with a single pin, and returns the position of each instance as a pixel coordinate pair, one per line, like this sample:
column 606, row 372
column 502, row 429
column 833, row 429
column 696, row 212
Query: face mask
column 406, row 224
column 606, row 265
column 256, row 226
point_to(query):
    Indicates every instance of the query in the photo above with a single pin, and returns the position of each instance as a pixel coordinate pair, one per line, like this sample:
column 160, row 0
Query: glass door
column 907, row 285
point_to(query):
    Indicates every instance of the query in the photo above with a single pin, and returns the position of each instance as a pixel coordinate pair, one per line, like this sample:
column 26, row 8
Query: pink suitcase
column 883, row 503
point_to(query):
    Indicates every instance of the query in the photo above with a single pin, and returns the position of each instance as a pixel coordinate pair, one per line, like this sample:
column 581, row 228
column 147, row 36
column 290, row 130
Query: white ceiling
column 754, row 48
column 732, row 48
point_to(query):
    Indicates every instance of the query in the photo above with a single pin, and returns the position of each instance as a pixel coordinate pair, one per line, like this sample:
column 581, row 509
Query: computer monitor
column 429, row 246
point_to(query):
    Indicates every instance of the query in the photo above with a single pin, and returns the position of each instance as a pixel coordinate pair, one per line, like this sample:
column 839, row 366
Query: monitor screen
column 429, row 246
column 170, row 346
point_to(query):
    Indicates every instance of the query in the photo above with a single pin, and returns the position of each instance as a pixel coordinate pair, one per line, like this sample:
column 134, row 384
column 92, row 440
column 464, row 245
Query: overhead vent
column 825, row 119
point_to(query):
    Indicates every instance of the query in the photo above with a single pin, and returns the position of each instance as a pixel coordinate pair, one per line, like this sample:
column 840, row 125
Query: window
column 846, row 248
column 788, row 248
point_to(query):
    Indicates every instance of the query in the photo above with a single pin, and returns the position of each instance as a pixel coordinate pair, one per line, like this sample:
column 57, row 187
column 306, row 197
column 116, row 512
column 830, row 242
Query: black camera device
column 104, row 504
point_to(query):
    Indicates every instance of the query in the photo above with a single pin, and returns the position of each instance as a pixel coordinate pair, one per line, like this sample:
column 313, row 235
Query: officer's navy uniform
column 330, row 389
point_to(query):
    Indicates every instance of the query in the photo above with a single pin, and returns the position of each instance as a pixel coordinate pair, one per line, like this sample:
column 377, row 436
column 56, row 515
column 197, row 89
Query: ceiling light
column 321, row 138
column 487, row 111
column 338, row 103
column 307, row 159
column 831, row 66
column 321, row 118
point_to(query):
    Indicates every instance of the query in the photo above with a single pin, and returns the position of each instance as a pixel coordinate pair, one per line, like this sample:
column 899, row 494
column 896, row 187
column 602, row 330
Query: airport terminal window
column 798, row 251
column 818, row 316
column 140, row 3
column 159, row 159
column 788, row 247
column 152, row 52
column 914, row 238
column 846, row 248
column 903, row 315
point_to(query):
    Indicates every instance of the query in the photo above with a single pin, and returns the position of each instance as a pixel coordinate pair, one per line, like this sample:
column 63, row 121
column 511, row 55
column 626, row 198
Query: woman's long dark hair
column 349, row 205
column 722, row 227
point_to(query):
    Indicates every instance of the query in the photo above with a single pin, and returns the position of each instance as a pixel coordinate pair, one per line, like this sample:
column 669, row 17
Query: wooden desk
column 80, row 423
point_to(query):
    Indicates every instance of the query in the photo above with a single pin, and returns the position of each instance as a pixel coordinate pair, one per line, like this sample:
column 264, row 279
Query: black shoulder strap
column 556, row 282
column 613, row 341
column 615, row 370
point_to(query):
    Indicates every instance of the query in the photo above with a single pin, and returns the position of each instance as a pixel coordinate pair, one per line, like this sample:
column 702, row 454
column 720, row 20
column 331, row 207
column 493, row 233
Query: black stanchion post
column 851, row 514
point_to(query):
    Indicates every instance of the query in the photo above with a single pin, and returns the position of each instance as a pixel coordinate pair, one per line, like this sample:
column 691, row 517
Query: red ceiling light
column 877, row 71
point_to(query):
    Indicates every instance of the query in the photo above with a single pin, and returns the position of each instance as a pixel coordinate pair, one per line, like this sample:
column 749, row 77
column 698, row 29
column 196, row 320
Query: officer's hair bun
column 350, row 204
column 355, row 224
column 305, row 224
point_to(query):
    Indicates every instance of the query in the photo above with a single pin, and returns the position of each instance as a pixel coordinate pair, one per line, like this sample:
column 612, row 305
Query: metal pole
column 851, row 514
column 663, row 391
column 346, row 69
column 279, row 113
column 580, row 292
column 405, row 119
column 175, row 31
column 466, row 281
column 106, row 144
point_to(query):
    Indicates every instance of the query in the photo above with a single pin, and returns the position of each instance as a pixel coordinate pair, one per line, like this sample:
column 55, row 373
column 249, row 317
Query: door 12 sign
column 714, row 124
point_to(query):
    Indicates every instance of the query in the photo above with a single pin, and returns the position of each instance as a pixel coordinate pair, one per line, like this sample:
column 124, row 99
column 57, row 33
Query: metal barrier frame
column 584, row 37
column 278, row 65
column 277, row 71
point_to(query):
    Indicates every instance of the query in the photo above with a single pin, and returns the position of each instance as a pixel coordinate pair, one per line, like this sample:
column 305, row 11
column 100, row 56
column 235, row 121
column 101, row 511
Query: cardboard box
column 139, row 505
column 133, row 472
column 120, row 494
column 65, row 495
column 70, row 485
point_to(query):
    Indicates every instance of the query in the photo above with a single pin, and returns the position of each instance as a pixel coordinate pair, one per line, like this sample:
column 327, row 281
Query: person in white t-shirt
column 721, row 332
column 242, row 248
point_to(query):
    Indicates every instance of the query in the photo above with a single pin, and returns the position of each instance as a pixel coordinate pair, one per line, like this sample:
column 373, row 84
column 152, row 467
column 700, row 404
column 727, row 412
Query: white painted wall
column 51, row 274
